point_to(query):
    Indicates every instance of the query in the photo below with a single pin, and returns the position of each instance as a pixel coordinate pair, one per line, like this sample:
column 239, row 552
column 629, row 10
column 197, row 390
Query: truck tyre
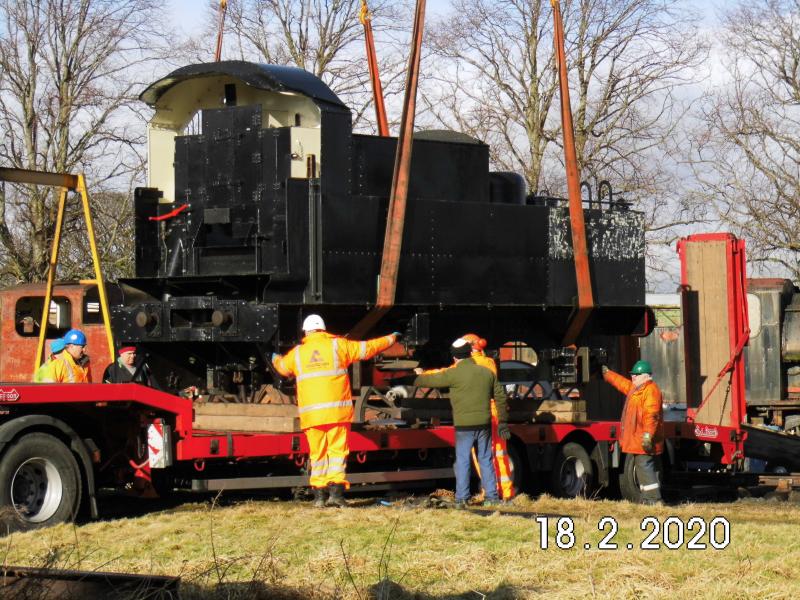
column 573, row 472
column 40, row 483
column 519, row 470
column 628, row 483
column 163, row 482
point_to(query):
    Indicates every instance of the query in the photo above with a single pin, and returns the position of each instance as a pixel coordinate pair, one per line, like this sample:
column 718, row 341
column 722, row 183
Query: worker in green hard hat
column 642, row 426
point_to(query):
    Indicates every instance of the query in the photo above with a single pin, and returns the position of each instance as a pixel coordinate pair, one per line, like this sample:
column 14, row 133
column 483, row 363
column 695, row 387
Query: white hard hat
column 313, row 322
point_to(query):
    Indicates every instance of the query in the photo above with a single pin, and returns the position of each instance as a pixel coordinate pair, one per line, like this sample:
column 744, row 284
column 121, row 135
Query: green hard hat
column 641, row 366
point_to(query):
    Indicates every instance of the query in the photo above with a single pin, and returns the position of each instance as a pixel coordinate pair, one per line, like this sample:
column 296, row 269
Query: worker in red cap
column 325, row 401
column 502, row 465
column 127, row 369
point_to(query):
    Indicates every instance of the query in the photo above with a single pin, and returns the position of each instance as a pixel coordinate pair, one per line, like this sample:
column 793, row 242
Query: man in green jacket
column 471, row 388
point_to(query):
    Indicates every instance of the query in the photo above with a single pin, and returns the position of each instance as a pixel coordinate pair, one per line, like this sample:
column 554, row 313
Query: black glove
column 503, row 431
column 397, row 335
column 647, row 443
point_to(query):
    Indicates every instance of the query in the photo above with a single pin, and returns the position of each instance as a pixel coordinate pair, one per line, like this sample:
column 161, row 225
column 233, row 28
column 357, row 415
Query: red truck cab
column 73, row 306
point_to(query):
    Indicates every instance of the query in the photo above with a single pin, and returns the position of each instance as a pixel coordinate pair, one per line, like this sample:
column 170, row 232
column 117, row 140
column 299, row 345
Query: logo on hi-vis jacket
column 315, row 361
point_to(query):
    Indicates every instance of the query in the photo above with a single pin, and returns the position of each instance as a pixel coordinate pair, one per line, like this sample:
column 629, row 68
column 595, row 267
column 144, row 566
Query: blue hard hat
column 57, row 346
column 76, row 337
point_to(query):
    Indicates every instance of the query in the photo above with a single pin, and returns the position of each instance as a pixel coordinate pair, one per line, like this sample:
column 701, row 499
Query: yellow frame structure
column 67, row 183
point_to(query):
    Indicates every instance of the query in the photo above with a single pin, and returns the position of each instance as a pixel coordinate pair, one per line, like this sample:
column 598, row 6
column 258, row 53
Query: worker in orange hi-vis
column 72, row 364
column 641, row 426
column 502, row 465
column 325, row 401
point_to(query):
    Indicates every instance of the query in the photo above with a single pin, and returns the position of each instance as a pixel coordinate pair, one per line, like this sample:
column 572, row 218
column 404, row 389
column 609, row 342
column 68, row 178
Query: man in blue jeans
column 471, row 388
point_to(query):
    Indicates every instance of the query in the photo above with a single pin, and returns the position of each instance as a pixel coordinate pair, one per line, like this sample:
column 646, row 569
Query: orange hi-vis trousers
column 502, row 465
column 327, row 454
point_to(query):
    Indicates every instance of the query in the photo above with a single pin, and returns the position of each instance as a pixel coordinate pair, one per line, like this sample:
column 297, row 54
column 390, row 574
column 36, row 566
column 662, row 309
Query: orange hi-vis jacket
column 641, row 414
column 485, row 361
column 319, row 364
column 502, row 465
column 480, row 359
column 64, row 369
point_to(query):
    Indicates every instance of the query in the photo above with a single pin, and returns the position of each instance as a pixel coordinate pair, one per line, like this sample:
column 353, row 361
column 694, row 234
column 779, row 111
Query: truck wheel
column 628, row 482
column 163, row 482
column 40, row 483
column 573, row 472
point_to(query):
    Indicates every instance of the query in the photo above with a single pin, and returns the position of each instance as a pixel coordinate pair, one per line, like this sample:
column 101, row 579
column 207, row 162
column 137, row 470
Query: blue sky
column 189, row 13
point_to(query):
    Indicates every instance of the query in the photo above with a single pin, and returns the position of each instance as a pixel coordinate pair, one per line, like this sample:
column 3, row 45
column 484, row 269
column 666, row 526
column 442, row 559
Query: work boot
column 336, row 497
column 320, row 495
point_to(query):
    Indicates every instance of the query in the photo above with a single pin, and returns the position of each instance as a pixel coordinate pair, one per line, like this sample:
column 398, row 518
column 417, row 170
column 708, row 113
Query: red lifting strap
column 170, row 214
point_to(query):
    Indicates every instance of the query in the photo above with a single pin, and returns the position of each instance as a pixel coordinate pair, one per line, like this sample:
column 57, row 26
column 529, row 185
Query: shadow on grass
column 389, row 590
column 252, row 590
column 383, row 590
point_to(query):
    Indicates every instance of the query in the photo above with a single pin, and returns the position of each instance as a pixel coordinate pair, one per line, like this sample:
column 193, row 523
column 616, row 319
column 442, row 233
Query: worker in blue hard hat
column 56, row 347
column 642, row 426
column 71, row 365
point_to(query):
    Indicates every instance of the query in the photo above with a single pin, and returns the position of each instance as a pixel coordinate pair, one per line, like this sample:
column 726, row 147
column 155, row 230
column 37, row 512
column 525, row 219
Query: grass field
column 271, row 549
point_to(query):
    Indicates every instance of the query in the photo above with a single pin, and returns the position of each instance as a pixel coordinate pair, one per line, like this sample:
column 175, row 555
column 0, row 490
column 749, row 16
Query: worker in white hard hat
column 325, row 400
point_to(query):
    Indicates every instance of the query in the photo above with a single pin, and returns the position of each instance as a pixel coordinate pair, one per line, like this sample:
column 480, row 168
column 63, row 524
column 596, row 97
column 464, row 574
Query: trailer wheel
column 40, row 483
column 573, row 472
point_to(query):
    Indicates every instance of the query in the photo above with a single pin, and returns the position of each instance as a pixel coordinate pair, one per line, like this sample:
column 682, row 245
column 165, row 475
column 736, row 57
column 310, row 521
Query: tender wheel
column 572, row 473
column 40, row 483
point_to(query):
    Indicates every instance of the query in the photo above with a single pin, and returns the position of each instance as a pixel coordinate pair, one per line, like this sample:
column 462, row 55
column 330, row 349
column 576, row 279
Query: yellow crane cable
column 364, row 14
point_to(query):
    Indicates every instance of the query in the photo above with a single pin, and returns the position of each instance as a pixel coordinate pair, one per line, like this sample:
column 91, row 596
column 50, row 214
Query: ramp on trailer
column 716, row 329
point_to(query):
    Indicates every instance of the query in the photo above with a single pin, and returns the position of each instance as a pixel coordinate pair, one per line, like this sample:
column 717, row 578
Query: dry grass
column 286, row 549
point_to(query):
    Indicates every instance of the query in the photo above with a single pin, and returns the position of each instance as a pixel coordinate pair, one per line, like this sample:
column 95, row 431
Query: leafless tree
column 747, row 154
column 70, row 71
column 495, row 78
column 491, row 74
column 324, row 37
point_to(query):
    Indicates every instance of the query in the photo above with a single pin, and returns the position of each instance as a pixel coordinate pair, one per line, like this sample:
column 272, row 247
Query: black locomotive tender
column 285, row 213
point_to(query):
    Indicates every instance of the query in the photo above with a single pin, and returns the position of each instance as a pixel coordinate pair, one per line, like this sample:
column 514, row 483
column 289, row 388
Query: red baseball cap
column 125, row 349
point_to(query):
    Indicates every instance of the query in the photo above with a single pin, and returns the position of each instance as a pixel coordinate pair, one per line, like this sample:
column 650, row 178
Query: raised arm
column 623, row 384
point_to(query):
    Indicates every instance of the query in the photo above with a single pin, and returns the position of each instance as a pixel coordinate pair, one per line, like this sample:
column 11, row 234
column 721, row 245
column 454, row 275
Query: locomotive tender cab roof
column 272, row 78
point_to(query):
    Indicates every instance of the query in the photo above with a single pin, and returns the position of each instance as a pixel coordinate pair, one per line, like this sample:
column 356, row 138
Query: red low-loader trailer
column 60, row 444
